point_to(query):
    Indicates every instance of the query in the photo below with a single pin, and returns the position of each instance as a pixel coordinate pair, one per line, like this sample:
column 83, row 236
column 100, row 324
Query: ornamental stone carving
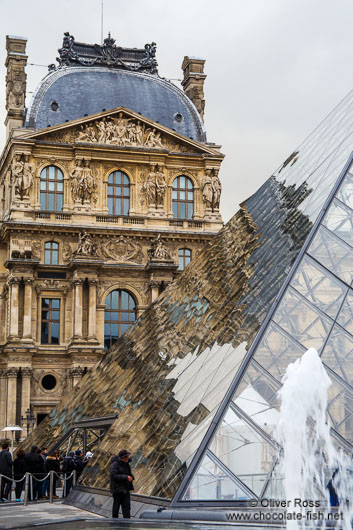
column 26, row 372
column 120, row 131
column 211, row 190
column 36, row 250
column 155, row 186
column 158, row 249
column 86, row 246
column 83, row 182
column 12, row 372
column 121, row 249
column 22, row 174
column 67, row 253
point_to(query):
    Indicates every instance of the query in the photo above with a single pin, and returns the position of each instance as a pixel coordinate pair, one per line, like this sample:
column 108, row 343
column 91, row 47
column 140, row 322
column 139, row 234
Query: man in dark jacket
column 68, row 467
column 6, row 470
column 79, row 465
column 121, row 483
column 34, row 464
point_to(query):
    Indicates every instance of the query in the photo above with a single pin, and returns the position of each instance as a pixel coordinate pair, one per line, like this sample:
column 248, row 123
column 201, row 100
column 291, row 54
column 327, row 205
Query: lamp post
column 29, row 420
column 13, row 429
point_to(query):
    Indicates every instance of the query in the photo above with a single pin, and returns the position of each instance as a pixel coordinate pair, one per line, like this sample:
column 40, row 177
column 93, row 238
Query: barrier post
column 26, row 488
column 51, row 485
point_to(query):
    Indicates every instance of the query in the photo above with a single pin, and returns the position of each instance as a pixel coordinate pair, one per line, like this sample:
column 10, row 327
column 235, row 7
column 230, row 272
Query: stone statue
column 207, row 190
column 102, row 131
column 154, row 139
column 83, row 182
column 87, row 134
column 75, row 177
column 217, row 189
column 150, row 187
column 160, row 186
column 22, row 175
column 86, row 245
column 158, row 249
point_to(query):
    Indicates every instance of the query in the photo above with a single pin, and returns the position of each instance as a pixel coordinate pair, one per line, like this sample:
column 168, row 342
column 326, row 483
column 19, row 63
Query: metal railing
column 28, row 483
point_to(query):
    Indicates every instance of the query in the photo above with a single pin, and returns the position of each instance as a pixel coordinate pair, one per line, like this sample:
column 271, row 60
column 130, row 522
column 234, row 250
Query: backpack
column 68, row 465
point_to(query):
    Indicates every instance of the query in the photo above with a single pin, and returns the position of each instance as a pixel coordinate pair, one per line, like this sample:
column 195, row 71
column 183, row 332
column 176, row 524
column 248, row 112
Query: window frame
column 50, row 321
column 119, row 311
column 178, row 201
column 47, row 193
column 116, row 198
column 51, row 252
column 183, row 256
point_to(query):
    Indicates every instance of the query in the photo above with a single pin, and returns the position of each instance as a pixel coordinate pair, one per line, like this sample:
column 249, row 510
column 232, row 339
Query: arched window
column 51, row 253
column 119, row 315
column 118, row 193
column 183, row 198
column 51, row 189
column 184, row 258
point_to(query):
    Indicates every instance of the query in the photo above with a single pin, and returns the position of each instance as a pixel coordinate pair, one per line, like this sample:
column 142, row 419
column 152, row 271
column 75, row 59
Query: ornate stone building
column 108, row 188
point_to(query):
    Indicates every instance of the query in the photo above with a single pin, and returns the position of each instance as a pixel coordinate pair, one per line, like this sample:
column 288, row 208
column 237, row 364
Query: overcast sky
column 274, row 68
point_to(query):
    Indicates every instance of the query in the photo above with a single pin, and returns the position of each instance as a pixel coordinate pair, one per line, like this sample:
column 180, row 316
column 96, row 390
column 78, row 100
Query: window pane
column 54, row 257
column 115, row 299
column 47, row 256
column 59, row 202
column 51, row 172
column 345, row 193
column 55, row 303
column 43, row 185
column 43, row 197
column 59, row 186
column 182, row 195
column 175, row 210
column 55, row 315
column 190, row 211
column 338, row 354
column 345, row 317
column 126, row 180
column 45, row 315
column 126, row 206
column 55, row 333
column 339, row 219
column 181, row 182
column 44, row 334
column 117, row 207
column 110, row 205
column 51, row 202
column 124, row 328
column 124, row 300
column 181, row 264
column 182, row 210
column 51, row 186
column 110, row 181
column 115, row 331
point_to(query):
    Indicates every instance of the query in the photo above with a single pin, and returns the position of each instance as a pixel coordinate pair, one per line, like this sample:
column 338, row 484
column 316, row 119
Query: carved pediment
column 121, row 128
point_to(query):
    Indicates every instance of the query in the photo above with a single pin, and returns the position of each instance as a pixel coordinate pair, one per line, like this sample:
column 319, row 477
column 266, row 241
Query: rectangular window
column 50, row 331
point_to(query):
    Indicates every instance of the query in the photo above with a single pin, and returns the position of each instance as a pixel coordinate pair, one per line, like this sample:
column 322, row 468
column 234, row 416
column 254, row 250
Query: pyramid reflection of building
column 198, row 347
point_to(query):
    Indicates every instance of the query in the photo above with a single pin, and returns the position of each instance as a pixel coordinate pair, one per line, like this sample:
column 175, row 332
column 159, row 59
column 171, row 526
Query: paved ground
column 19, row 516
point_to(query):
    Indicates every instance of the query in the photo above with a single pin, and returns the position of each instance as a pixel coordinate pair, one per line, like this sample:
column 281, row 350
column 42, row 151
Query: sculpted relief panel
column 120, row 249
column 154, row 187
column 83, row 182
column 211, row 190
column 22, row 174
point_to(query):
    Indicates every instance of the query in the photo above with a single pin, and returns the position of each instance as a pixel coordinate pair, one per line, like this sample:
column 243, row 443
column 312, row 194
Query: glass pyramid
column 314, row 309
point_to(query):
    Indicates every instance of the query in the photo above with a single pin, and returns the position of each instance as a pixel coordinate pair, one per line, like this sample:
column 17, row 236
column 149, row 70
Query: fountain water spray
column 309, row 456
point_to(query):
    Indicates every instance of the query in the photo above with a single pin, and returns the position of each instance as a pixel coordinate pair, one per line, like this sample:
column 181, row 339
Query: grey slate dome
column 73, row 92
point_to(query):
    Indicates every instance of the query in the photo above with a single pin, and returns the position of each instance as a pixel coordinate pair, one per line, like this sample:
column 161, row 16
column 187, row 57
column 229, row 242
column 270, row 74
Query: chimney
column 193, row 81
column 15, row 63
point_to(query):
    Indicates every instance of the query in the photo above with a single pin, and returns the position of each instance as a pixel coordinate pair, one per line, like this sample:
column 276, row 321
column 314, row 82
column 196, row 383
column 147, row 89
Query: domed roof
column 73, row 92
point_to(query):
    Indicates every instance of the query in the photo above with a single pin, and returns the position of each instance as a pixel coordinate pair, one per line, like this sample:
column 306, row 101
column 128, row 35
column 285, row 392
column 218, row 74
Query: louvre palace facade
column 108, row 189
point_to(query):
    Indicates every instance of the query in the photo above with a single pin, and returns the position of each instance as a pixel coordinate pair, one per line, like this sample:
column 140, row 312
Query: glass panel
column 182, row 195
column 339, row 219
column 59, row 174
column 54, row 257
column 242, row 450
column 43, row 185
column 59, row 186
column 51, row 186
column 301, row 320
column 175, row 209
column 110, row 181
column 124, row 300
column 55, row 333
column 55, row 303
column 114, row 300
column 43, row 197
column 319, row 286
column 174, row 195
column 190, row 196
column 44, row 333
column 182, row 210
column 125, row 317
column 51, row 172
column 126, row 180
column 124, row 328
column 55, row 315
column 59, row 202
column 117, row 205
column 189, row 184
column 345, row 193
column 110, row 205
column 345, row 317
column 211, row 482
column 47, row 256
column 181, row 182
column 45, row 315
column 115, row 331
column 126, row 206
column 333, row 253
column 181, row 264
column 276, row 350
column 257, row 397
column 51, row 201
column 338, row 353
column 190, row 211
column 340, row 409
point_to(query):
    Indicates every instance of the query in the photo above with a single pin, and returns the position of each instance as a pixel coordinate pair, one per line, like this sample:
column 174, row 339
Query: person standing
column 34, row 464
column 121, row 479
column 53, row 464
column 6, row 471
column 68, row 467
column 79, row 465
column 19, row 469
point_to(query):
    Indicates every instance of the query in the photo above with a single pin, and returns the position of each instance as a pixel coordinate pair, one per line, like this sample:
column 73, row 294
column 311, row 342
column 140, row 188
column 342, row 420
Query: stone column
column 3, row 398
column 154, row 286
column 14, row 307
column 76, row 375
column 26, row 391
column 27, row 310
column 92, row 310
column 11, row 395
column 78, row 308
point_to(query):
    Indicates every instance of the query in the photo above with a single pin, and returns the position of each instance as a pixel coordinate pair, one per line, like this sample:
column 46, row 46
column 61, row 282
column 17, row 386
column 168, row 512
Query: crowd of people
column 39, row 463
